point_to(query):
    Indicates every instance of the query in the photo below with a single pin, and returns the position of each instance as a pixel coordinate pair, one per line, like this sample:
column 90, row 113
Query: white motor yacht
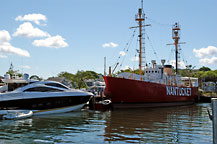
column 43, row 97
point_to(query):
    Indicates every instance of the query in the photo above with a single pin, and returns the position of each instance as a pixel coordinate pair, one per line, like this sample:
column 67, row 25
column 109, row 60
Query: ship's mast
column 140, row 17
column 176, row 37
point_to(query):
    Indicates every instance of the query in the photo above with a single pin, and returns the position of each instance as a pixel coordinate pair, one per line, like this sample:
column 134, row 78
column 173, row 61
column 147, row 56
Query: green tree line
column 78, row 79
column 203, row 74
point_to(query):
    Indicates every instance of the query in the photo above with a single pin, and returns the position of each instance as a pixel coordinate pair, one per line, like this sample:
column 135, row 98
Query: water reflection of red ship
column 140, row 125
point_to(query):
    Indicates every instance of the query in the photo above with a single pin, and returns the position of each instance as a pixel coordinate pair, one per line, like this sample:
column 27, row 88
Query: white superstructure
column 162, row 74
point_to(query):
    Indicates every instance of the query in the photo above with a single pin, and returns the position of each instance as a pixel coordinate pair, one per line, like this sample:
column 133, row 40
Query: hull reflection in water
column 186, row 124
column 72, row 127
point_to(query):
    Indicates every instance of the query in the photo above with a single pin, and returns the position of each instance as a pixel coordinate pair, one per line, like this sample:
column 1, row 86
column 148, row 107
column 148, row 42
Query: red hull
column 125, row 92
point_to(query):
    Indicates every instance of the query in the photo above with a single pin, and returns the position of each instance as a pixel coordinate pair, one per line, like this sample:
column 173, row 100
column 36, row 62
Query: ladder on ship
column 143, row 57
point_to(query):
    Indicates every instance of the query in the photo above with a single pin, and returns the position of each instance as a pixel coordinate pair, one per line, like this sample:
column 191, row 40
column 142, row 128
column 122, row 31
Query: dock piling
column 214, row 119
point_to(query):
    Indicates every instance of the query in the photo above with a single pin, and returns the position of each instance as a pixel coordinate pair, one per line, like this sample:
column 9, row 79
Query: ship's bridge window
column 42, row 89
column 56, row 85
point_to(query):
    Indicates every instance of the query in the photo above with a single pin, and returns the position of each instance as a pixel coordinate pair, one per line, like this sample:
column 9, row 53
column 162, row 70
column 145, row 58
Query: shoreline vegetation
column 204, row 74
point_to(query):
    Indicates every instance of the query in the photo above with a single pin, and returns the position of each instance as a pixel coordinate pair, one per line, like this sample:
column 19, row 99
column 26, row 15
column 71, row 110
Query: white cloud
column 36, row 18
column 3, row 56
column 122, row 53
column 212, row 60
column 207, row 56
column 53, row 42
column 126, row 67
column 27, row 30
column 134, row 59
column 205, row 52
column 25, row 67
column 181, row 64
column 4, row 36
column 111, row 44
column 7, row 48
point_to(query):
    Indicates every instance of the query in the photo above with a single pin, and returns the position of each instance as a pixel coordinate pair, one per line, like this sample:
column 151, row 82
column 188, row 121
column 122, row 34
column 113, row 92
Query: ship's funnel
column 168, row 70
column 153, row 62
column 163, row 62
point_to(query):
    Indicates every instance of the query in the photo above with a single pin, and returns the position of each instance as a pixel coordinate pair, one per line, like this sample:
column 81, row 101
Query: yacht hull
column 48, row 104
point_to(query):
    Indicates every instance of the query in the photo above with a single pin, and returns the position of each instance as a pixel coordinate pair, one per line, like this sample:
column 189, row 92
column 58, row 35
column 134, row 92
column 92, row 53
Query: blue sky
column 48, row 37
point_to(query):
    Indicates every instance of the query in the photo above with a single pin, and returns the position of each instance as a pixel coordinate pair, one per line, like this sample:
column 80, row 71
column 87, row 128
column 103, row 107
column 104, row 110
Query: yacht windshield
column 42, row 89
column 56, row 85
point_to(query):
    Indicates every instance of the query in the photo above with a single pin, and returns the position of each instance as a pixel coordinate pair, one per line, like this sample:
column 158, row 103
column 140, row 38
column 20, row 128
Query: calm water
column 186, row 124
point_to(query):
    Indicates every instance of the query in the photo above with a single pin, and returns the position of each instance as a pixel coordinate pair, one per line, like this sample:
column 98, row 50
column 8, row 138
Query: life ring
column 106, row 102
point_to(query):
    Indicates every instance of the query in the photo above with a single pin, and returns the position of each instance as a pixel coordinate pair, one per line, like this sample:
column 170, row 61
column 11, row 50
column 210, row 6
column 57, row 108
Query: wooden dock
column 206, row 98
